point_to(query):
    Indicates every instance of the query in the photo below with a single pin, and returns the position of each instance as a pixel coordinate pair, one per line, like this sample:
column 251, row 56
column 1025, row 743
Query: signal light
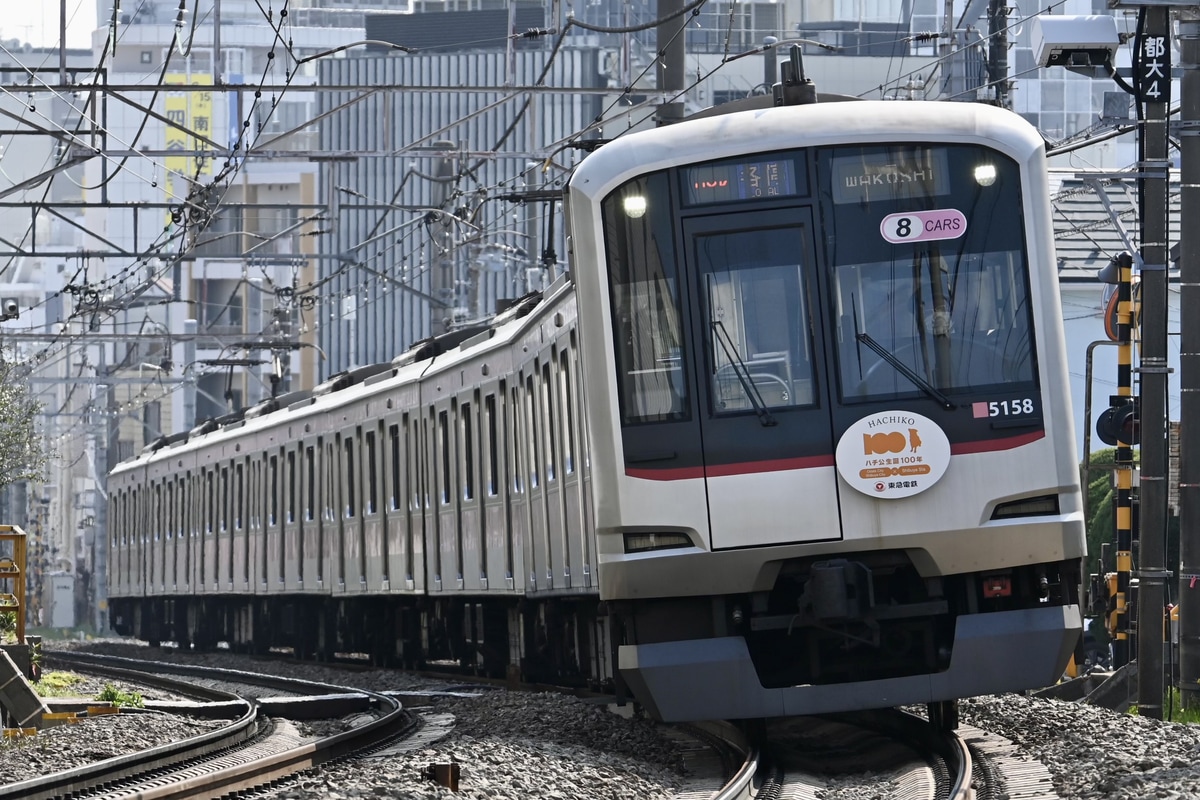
column 1119, row 422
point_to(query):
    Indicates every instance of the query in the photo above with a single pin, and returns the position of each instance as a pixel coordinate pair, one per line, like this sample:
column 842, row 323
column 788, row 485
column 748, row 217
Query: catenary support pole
column 1154, row 74
column 998, row 50
column 1189, row 363
column 671, row 35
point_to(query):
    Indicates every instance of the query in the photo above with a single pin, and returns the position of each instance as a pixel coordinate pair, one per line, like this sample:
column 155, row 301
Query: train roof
column 360, row 382
column 784, row 127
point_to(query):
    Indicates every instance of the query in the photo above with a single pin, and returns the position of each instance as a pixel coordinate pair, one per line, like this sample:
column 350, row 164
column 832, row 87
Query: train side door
column 760, row 374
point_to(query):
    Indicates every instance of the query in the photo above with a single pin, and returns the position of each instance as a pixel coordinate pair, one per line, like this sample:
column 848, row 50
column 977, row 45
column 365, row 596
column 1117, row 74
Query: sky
column 37, row 21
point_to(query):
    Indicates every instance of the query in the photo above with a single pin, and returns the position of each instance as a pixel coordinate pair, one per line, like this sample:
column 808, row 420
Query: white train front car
column 832, row 446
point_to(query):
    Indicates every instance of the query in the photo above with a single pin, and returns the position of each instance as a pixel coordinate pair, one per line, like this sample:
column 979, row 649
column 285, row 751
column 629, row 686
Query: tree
column 1101, row 501
column 23, row 452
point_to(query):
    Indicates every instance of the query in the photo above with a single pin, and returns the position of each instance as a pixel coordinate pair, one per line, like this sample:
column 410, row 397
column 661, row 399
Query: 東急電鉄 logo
column 893, row 454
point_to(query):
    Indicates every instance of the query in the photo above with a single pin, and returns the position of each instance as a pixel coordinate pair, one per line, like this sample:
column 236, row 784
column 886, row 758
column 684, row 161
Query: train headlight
column 634, row 205
column 645, row 542
column 985, row 174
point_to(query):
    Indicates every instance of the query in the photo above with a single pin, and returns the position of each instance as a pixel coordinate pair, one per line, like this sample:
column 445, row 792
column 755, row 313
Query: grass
column 57, row 684
column 120, row 697
column 1174, row 708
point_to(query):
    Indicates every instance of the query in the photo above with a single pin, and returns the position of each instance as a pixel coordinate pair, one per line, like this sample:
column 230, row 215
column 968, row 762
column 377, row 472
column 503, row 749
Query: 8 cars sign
column 923, row 226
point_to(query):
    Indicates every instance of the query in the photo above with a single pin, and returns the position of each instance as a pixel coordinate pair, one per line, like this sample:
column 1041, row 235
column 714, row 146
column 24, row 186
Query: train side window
column 187, row 499
column 397, row 465
column 489, row 410
column 210, row 495
column 331, row 485
column 533, row 431
column 518, row 430
column 549, row 422
column 310, row 474
column 254, row 493
column 411, row 491
column 273, row 494
column 351, row 475
column 567, row 412
column 170, row 520
column 443, row 433
column 246, row 472
column 468, row 455
column 412, row 475
column 158, row 511
column 224, row 514
column 372, row 474
column 239, row 504
column 291, row 486
column 644, row 292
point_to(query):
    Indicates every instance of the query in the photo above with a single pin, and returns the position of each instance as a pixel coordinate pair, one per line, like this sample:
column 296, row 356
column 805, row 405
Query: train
column 791, row 435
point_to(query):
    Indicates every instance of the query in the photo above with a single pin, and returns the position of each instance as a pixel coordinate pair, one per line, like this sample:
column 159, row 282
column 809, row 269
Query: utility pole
column 102, row 432
column 670, row 61
column 998, row 50
column 442, row 277
column 190, row 326
column 1154, row 84
column 1189, row 363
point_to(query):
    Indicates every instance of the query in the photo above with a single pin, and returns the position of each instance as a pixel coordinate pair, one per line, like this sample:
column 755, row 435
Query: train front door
column 765, row 418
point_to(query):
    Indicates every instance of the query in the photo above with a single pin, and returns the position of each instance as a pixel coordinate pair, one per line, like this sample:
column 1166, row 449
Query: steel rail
column 99, row 773
column 256, row 773
column 944, row 743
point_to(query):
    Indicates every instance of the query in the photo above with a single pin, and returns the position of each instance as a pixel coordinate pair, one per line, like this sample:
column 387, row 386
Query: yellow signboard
column 186, row 112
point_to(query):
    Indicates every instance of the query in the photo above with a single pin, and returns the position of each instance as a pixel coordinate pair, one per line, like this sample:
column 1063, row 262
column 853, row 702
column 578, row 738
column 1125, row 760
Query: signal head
column 1119, row 423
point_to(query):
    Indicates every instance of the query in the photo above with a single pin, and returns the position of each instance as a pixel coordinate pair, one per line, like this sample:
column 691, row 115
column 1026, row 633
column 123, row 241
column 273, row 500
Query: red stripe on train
column 811, row 462
column 992, row 445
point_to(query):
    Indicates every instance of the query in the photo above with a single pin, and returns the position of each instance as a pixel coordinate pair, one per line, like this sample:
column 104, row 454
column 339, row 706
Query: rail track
column 888, row 752
column 250, row 752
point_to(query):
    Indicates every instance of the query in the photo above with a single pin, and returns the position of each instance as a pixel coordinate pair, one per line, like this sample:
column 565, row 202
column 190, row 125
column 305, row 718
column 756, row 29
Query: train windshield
column 932, row 322
column 916, row 253
column 928, row 271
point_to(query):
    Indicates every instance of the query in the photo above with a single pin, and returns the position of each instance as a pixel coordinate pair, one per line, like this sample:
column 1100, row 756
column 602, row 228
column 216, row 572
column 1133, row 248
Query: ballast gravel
column 548, row 747
column 90, row 740
column 1093, row 753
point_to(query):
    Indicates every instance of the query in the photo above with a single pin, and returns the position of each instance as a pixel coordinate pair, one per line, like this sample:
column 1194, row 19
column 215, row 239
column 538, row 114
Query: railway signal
column 1120, row 422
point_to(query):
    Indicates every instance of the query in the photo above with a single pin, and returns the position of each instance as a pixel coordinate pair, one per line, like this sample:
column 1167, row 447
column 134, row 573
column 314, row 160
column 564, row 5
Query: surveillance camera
column 10, row 308
column 1074, row 41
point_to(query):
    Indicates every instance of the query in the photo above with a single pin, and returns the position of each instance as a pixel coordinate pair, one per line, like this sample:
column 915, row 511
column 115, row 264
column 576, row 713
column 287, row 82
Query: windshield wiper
column 922, row 384
column 743, row 374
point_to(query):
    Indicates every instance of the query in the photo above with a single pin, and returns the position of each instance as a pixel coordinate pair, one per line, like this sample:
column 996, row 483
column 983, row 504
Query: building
column 187, row 281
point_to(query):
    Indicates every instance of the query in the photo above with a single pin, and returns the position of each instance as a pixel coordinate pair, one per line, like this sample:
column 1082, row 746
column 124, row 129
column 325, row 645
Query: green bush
column 120, row 697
